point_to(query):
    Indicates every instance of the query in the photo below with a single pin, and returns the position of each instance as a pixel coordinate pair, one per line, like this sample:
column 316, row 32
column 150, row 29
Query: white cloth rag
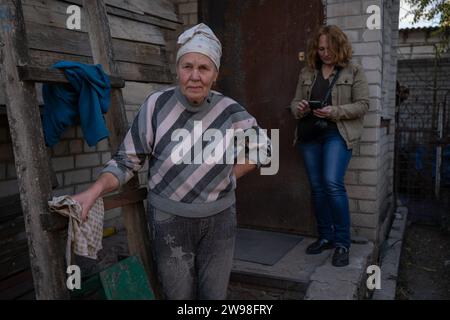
column 84, row 237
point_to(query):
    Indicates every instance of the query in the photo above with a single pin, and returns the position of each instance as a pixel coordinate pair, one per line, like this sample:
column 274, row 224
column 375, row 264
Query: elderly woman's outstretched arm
column 106, row 183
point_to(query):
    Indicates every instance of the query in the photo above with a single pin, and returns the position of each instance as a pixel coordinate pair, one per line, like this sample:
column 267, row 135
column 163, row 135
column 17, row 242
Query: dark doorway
column 261, row 42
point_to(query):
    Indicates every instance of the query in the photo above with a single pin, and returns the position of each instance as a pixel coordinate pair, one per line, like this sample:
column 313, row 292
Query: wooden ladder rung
column 39, row 74
column 124, row 198
column 53, row 222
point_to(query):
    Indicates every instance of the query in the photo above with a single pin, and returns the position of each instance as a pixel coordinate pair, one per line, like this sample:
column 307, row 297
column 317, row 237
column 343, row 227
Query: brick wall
column 75, row 164
column 369, row 178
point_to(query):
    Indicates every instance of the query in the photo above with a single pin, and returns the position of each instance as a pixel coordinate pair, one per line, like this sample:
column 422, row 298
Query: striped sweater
column 195, row 189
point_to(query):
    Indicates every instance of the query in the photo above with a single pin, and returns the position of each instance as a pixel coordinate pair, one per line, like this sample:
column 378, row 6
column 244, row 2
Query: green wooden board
column 126, row 280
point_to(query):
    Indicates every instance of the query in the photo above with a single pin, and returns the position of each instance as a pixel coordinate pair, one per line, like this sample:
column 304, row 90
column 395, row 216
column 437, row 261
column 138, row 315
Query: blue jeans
column 193, row 256
column 326, row 160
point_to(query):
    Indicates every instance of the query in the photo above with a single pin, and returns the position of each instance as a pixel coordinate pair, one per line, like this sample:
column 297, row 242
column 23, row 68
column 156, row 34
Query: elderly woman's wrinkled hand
column 324, row 112
column 303, row 108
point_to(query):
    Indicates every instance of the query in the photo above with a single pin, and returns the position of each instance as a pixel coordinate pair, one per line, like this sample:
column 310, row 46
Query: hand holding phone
column 313, row 105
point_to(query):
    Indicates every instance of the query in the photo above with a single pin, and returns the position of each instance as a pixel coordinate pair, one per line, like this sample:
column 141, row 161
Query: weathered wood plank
column 144, row 73
column 2, row 93
column 16, row 285
column 38, row 74
column 124, row 198
column 127, row 71
column 19, row 263
column 57, row 222
column 158, row 8
column 162, row 9
column 135, row 93
column 133, row 215
column 45, row 38
column 166, row 24
column 53, row 13
column 47, row 260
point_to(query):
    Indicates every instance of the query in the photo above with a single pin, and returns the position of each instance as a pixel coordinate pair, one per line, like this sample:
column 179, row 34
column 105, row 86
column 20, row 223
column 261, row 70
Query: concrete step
column 299, row 276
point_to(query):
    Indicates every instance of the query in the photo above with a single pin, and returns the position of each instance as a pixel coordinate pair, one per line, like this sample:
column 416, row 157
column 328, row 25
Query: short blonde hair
column 339, row 45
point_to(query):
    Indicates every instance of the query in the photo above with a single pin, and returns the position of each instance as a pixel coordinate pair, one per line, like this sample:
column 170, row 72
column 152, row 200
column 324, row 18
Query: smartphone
column 313, row 105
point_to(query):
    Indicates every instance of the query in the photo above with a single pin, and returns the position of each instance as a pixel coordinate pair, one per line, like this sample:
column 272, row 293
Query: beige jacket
column 349, row 97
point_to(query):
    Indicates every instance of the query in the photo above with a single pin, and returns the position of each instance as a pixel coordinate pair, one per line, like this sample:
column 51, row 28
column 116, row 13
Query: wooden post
column 30, row 153
column 134, row 214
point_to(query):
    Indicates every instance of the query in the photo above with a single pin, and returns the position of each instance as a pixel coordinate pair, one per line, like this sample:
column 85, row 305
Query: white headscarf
column 201, row 39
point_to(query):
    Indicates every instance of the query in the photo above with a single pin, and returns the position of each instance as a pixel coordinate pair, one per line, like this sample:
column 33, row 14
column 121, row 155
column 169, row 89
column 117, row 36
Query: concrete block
column 371, row 119
column 331, row 283
column 375, row 90
column 348, row 22
column 60, row 179
column 352, row 35
column 77, row 176
column 367, row 206
column 370, row 135
column 61, row 148
column 82, row 187
column 364, row 220
column 368, row 233
column 369, row 149
column 351, row 177
column 79, row 132
column 96, row 172
column 372, row 35
column 63, row 163
column 64, row 191
column 103, row 145
column 373, row 77
column 367, row 49
column 70, row 133
column 344, row 9
column 371, row 63
column 87, row 160
column 106, row 156
column 353, row 205
column 76, row 146
column 368, row 177
column 363, row 163
column 87, row 148
column 362, row 192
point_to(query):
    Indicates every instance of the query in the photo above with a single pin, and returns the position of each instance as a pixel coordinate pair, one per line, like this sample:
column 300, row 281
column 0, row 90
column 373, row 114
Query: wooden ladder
column 43, row 229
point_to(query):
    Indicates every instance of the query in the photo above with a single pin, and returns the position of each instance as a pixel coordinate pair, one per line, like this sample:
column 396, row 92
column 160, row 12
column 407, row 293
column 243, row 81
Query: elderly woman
column 191, row 203
column 331, row 99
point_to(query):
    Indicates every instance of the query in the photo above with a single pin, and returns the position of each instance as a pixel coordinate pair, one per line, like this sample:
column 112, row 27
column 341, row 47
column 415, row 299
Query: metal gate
column 260, row 66
column 422, row 152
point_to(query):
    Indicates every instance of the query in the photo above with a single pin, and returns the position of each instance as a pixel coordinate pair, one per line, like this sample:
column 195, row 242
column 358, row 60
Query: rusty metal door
column 260, row 64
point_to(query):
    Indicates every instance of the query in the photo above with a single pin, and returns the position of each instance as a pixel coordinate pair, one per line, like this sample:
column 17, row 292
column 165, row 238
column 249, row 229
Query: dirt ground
column 424, row 272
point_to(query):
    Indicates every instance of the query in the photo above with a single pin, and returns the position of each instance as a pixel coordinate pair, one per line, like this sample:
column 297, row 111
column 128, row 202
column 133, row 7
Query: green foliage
column 430, row 10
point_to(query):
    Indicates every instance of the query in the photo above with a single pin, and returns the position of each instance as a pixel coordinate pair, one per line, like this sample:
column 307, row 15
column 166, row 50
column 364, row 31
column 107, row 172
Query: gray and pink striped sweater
column 190, row 189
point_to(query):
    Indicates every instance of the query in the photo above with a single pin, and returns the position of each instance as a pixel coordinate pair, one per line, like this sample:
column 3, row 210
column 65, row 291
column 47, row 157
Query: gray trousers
column 193, row 256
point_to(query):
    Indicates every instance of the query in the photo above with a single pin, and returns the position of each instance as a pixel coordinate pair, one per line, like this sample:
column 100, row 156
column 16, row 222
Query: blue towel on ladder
column 87, row 98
